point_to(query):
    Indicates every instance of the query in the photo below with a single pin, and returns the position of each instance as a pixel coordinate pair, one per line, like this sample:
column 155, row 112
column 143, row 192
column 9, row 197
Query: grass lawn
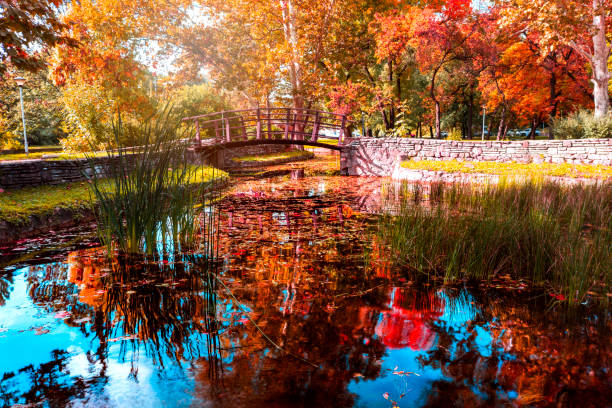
column 513, row 169
column 274, row 156
column 17, row 205
column 50, row 156
column 328, row 141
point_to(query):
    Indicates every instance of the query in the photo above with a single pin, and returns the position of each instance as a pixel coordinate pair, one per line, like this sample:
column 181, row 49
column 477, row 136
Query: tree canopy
column 395, row 67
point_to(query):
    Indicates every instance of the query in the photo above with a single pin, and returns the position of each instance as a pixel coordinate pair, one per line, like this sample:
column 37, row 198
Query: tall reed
column 146, row 196
column 554, row 235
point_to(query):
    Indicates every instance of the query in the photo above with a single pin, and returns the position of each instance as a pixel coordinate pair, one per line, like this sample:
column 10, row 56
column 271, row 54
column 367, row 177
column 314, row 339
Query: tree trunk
column 392, row 108
column 502, row 123
column 295, row 67
column 432, row 94
column 601, row 74
column 470, row 118
column 438, row 130
column 534, row 125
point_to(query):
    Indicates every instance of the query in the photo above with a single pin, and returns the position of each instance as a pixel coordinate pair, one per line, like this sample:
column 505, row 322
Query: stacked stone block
column 379, row 157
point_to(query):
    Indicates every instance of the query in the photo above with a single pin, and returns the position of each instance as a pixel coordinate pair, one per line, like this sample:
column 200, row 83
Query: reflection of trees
column 51, row 384
column 166, row 308
column 536, row 355
column 341, row 343
column 5, row 283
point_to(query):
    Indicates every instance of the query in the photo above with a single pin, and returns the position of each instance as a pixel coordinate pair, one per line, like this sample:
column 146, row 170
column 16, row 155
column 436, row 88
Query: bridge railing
column 269, row 123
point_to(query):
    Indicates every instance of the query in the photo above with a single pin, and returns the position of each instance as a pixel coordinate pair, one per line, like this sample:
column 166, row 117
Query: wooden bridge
column 288, row 126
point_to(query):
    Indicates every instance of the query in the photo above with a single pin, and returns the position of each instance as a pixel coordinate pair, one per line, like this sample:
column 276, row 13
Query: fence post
column 315, row 127
column 244, row 134
column 228, row 130
column 293, row 126
column 287, row 123
column 217, row 130
column 198, row 140
column 258, row 126
column 269, row 122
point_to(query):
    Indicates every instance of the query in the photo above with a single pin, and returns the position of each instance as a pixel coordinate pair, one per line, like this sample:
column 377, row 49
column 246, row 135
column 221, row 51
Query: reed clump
column 553, row 235
column 147, row 201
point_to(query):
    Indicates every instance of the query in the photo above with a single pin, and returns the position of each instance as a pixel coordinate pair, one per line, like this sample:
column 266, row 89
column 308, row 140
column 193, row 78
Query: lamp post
column 21, row 82
column 484, row 116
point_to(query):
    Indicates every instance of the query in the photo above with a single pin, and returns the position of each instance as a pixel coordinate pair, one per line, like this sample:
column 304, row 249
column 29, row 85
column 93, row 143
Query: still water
column 307, row 311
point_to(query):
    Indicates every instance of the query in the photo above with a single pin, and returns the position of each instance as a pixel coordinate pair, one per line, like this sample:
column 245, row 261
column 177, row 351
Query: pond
column 308, row 310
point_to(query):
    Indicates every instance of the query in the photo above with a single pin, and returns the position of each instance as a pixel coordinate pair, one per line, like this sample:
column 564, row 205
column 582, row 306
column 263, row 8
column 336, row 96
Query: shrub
column 455, row 134
column 583, row 125
column 9, row 141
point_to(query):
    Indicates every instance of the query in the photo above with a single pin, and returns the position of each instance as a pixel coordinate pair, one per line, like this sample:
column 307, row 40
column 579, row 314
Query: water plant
column 556, row 236
column 146, row 197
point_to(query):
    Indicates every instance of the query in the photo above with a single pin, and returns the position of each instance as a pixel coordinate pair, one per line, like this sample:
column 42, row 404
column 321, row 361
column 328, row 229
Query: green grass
column 50, row 156
column 328, row 141
column 513, row 169
column 274, row 156
column 555, row 237
column 16, row 206
column 56, row 148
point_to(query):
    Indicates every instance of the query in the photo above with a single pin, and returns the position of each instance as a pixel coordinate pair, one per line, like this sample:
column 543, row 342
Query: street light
column 484, row 116
column 20, row 83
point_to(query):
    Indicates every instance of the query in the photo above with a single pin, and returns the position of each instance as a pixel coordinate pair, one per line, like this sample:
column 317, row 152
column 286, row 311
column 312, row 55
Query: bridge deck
column 289, row 126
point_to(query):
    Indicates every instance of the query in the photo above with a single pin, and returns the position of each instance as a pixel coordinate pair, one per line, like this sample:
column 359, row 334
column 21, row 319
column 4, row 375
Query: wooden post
column 244, row 134
column 217, row 130
column 342, row 130
column 287, row 124
column 258, row 125
column 222, row 125
column 315, row 127
column 269, row 124
column 228, row 131
column 293, row 126
column 198, row 141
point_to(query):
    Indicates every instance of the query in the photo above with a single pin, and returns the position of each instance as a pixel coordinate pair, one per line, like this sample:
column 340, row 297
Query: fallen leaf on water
column 62, row 315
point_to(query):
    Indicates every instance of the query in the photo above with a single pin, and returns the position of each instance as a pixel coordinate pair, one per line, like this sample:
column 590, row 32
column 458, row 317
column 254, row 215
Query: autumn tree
column 527, row 82
column 582, row 25
column 438, row 34
column 102, row 79
column 26, row 26
column 41, row 101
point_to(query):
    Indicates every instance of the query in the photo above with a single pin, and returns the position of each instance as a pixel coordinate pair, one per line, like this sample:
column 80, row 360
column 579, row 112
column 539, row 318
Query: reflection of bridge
column 282, row 126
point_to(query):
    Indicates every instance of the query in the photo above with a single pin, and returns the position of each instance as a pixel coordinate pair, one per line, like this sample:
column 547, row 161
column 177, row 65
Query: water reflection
column 89, row 332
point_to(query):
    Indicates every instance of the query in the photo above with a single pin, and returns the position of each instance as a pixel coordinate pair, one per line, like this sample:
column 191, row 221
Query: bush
column 583, row 125
column 10, row 141
column 455, row 134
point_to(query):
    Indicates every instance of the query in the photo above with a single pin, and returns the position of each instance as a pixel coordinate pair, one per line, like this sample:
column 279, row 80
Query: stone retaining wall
column 27, row 173
column 380, row 157
column 36, row 172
